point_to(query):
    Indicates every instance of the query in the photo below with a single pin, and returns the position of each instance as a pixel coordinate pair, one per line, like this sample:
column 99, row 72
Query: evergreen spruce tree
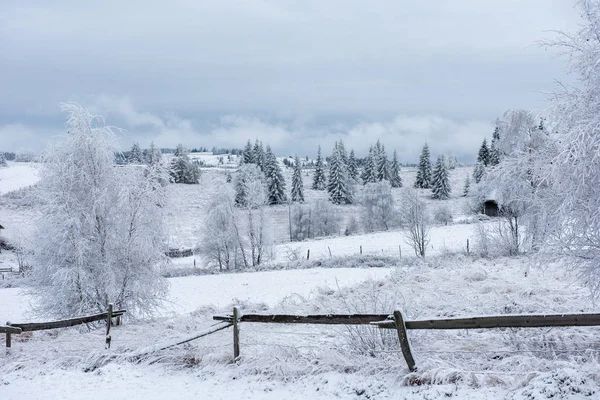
column 467, row 187
column 135, row 155
column 484, row 154
column 440, row 182
column 183, row 169
column 478, row 172
column 297, row 184
column 352, row 167
column 339, row 185
column 494, row 155
column 383, row 166
column 2, row 159
column 423, row 180
column 259, row 155
column 275, row 179
column 319, row 176
column 395, row 179
column 369, row 174
column 343, row 153
column 248, row 154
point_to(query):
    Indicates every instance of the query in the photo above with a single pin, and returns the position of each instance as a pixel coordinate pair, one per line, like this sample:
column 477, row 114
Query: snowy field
column 315, row 362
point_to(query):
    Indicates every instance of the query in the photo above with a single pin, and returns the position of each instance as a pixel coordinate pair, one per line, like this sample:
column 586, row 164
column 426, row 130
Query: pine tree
column 275, row 179
column 383, row 169
column 343, row 153
column 183, row 169
column 248, row 154
column 339, row 186
column 478, row 172
column 259, row 155
column 352, row 167
column 2, row 159
column 484, row 154
column 423, row 180
column 319, row 176
column 135, row 155
column 440, row 182
column 297, row 184
column 467, row 186
column 494, row 155
column 395, row 179
column 369, row 173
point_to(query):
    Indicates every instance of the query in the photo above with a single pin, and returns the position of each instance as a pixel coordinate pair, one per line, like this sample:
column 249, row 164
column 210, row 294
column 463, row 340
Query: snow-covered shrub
column 25, row 156
column 442, row 215
column 325, row 219
column 352, row 227
column 100, row 240
column 377, row 207
column 300, row 222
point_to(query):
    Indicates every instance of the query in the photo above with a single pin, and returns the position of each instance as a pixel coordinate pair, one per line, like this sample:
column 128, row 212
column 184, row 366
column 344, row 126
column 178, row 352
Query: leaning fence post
column 404, row 343
column 236, row 333
column 108, row 322
column 307, row 254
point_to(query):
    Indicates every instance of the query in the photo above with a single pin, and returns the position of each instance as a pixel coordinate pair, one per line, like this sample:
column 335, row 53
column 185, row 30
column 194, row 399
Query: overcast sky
column 294, row 74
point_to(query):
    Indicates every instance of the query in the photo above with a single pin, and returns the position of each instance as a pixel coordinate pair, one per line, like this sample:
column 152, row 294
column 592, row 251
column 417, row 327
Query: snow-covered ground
column 307, row 362
column 17, row 175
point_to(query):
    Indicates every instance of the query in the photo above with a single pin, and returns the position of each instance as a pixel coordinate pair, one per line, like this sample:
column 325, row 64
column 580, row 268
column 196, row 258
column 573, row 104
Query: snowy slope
column 17, row 175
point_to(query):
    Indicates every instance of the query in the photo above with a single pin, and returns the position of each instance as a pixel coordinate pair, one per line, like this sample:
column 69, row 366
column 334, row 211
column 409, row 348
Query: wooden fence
column 397, row 321
column 18, row 328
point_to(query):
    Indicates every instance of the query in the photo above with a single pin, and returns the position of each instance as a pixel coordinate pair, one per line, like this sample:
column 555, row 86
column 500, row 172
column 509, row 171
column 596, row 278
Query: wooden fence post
column 328, row 248
column 400, row 251
column 8, row 337
column 307, row 254
column 468, row 253
column 361, row 249
column 236, row 334
column 404, row 343
column 108, row 322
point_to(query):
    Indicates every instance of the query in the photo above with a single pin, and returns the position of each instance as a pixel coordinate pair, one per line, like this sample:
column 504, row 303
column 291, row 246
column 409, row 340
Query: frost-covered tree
column 183, row 169
column 467, row 186
column 246, row 177
column 484, row 154
column 135, row 154
column 248, row 154
column 297, row 184
column 415, row 217
column 494, row 155
column 352, row 166
column 377, row 211
column 339, row 185
column 259, row 155
column 383, row 166
column 325, row 219
column 395, row 179
column 2, row 159
column 102, row 239
column 423, row 180
column 369, row 173
column 275, row 179
column 319, row 179
column 478, row 172
column 440, row 188
column 219, row 243
column 154, row 155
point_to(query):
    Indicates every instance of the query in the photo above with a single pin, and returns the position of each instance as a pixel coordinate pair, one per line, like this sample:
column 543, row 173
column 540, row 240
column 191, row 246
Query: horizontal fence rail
column 397, row 321
column 66, row 323
column 18, row 328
